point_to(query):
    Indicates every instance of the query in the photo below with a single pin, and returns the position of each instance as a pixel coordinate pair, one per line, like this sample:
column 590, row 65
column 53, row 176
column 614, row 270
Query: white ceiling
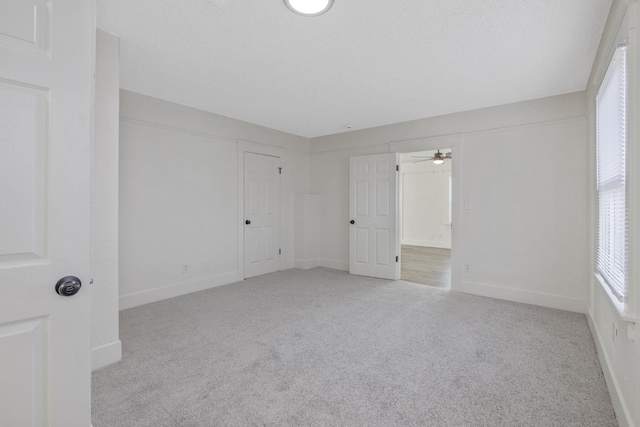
column 365, row 62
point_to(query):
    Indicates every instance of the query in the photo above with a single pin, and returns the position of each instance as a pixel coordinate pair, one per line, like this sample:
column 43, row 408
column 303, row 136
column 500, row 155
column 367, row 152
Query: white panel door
column 374, row 249
column 46, row 57
column 262, row 214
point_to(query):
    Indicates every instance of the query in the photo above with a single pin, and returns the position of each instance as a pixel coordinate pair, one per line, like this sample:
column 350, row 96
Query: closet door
column 262, row 214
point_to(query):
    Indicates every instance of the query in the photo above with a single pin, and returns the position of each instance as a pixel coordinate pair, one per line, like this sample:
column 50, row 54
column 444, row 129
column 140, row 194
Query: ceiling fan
column 438, row 158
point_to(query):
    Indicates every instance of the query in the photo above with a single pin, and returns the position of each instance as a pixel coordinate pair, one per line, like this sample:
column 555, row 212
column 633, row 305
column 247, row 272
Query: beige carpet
column 321, row 347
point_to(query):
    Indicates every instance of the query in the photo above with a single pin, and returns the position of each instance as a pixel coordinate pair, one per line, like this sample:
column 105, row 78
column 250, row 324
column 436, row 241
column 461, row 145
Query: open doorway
column 426, row 217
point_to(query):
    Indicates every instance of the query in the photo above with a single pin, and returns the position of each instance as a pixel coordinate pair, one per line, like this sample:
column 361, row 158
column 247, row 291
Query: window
column 611, row 119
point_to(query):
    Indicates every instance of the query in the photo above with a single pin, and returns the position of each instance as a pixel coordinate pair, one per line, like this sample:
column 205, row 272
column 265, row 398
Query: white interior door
column 46, row 57
column 262, row 214
column 374, row 249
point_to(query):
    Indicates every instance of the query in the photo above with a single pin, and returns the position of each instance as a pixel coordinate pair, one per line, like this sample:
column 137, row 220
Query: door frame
column 263, row 150
column 456, row 145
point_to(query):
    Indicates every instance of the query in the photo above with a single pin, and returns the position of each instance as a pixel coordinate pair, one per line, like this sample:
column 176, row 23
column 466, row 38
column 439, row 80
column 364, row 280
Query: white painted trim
column 306, row 264
column 608, row 41
column 106, row 355
column 617, row 398
column 287, row 264
column 240, row 211
column 427, row 143
column 616, row 305
column 266, row 149
column 159, row 294
column 542, row 299
column 182, row 129
column 417, row 144
column 179, row 129
column 427, row 243
column 334, row 264
column 455, row 143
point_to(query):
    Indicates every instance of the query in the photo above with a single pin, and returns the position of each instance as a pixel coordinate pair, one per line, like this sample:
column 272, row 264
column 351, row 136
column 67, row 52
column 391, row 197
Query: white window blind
column 611, row 262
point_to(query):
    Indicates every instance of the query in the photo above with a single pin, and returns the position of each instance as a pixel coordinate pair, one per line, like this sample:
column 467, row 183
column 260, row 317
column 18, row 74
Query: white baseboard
column 159, row 294
column 333, row 264
column 619, row 404
column 287, row 264
column 427, row 243
column 306, row 264
column 106, row 355
column 560, row 302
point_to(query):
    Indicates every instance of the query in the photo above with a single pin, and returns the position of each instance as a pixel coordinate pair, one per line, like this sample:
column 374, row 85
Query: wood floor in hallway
column 426, row 266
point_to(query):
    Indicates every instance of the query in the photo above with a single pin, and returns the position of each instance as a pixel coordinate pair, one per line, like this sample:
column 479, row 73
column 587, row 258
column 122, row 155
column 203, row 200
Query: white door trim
column 265, row 150
column 456, row 145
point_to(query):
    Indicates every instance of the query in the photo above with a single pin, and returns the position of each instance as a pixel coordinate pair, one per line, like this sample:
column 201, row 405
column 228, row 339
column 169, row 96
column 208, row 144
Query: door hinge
column 279, row 251
column 397, row 258
column 280, row 171
column 397, row 168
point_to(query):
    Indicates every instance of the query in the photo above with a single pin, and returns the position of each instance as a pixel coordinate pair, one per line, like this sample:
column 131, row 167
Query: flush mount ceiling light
column 309, row 7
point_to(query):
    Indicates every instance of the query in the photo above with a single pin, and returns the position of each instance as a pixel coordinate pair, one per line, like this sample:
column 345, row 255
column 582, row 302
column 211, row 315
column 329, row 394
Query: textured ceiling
column 365, row 62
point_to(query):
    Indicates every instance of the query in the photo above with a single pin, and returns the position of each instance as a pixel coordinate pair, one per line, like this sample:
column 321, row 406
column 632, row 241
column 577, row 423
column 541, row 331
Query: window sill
column 617, row 305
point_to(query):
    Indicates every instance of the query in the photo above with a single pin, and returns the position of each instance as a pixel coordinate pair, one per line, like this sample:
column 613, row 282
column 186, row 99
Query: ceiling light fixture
column 438, row 158
column 309, row 7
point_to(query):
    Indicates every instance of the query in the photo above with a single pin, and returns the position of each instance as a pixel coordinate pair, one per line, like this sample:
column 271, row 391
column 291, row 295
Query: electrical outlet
column 467, row 205
column 467, row 268
column 614, row 332
column 185, row 268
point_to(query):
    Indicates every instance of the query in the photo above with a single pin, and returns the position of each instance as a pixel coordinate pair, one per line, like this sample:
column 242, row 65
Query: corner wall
column 105, row 336
column 180, row 202
column 521, row 167
column 620, row 358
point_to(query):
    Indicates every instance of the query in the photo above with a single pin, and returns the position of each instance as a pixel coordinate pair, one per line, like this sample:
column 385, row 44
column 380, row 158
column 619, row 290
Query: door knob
column 247, row 222
column 68, row 286
column 352, row 222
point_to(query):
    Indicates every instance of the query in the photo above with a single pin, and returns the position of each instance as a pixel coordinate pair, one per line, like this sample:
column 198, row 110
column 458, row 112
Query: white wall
column 180, row 198
column 425, row 204
column 105, row 341
column 524, row 237
column 620, row 360
column 308, row 233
